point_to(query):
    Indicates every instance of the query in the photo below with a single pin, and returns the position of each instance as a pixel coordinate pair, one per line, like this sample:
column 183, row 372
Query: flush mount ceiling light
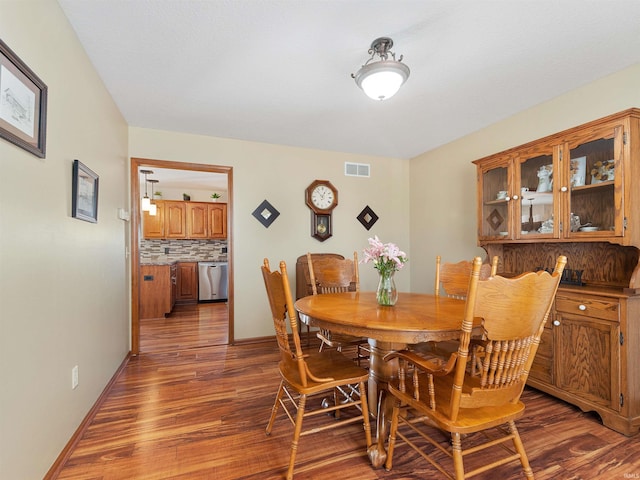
column 146, row 201
column 381, row 79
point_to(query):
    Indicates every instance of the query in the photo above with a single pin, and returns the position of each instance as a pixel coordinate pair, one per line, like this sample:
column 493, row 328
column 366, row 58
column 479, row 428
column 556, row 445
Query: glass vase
column 387, row 294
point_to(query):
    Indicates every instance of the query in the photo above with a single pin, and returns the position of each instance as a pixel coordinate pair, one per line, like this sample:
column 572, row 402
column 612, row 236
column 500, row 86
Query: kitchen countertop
column 169, row 260
column 156, row 262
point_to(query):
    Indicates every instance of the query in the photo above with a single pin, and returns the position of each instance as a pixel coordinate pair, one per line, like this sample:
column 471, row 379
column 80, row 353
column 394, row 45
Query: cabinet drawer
column 589, row 306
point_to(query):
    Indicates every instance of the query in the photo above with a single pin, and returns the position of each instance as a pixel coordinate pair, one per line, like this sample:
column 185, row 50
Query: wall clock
column 321, row 197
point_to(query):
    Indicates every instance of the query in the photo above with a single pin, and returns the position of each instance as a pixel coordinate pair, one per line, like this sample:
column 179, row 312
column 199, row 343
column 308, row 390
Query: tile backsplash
column 185, row 250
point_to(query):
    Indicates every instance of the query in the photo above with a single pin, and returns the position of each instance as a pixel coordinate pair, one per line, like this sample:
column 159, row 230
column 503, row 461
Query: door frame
column 136, row 231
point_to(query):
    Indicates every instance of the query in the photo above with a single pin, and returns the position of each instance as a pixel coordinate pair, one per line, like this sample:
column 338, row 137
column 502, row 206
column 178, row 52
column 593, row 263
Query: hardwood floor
column 188, row 326
column 187, row 410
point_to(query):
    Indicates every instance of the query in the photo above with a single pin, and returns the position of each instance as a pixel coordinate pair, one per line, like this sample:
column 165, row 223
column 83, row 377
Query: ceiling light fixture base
column 381, row 79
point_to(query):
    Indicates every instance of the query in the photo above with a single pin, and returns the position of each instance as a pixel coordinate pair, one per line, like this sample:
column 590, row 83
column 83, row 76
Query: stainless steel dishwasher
column 213, row 281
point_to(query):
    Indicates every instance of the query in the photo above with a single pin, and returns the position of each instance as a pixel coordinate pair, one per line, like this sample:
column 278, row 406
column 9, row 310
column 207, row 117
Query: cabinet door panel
column 588, row 358
column 153, row 225
column 196, row 220
column 174, row 220
column 535, row 204
column 187, row 281
column 217, row 215
column 495, row 201
column 596, row 175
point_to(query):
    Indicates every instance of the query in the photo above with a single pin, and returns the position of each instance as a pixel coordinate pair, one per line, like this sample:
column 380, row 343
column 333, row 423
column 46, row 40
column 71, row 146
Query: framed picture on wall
column 84, row 200
column 23, row 104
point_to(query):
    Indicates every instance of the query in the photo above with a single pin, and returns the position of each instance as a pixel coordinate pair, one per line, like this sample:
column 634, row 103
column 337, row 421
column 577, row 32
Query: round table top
column 415, row 318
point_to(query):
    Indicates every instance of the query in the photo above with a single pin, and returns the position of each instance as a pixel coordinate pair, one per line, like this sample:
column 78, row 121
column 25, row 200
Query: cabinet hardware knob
column 582, row 307
column 508, row 198
column 515, row 197
column 564, row 189
column 556, row 322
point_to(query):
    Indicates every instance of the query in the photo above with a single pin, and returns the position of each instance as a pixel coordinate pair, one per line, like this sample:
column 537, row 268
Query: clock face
column 322, row 197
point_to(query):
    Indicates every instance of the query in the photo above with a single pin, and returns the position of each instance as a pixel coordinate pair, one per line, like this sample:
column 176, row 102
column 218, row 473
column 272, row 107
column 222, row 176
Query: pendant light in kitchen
column 153, row 208
column 146, row 201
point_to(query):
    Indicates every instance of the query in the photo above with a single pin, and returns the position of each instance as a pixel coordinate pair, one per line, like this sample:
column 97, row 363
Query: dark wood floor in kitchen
column 187, row 410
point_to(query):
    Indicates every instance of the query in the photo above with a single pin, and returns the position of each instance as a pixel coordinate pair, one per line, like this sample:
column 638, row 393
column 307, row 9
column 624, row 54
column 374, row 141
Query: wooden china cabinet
column 575, row 193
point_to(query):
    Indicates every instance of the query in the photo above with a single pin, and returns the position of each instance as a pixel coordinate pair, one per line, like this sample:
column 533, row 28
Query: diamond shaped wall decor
column 367, row 217
column 265, row 213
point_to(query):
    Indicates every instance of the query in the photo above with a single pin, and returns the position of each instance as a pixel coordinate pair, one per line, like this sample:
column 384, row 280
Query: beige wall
column 280, row 174
column 443, row 213
column 63, row 282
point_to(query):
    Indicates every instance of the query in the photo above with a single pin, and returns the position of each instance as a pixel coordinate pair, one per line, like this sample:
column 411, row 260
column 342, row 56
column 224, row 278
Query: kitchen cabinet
column 573, row 193
column 571, row 186
column 217, row 220
column 197, row 222
column 186, row 220
column 175, row 224
column 187, row 282
column 153, row 225
column 157, row 290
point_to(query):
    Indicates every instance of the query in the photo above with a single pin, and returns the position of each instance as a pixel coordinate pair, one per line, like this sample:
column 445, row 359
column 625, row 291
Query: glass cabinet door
column 495, row 201
column 536, row 209
column 594, row 177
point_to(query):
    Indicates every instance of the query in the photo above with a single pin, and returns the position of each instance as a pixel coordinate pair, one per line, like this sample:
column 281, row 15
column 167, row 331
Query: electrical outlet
column 74, row 377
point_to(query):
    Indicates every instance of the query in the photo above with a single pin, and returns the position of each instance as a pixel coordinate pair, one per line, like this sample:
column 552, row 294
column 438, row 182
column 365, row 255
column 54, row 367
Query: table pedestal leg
column 380, row 373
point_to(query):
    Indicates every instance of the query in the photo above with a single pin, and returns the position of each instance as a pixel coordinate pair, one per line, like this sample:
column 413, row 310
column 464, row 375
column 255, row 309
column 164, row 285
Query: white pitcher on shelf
column 545, row 180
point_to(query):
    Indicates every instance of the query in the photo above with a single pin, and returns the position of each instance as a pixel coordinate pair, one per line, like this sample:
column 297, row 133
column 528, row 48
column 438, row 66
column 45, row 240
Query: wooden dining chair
column 431, row 397
column 335, row 275
column 452, row 280
column 304, row 377
column 303, row 286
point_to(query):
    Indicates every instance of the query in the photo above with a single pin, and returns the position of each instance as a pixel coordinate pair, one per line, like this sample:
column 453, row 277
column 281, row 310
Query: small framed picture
column 84, row 200
column 23, row 104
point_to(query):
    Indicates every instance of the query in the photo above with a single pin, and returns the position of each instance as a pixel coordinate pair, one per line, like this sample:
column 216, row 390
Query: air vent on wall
column 356, row 169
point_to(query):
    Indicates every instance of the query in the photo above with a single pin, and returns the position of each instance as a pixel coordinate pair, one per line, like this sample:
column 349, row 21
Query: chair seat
column 468, row 420
column 331, row 366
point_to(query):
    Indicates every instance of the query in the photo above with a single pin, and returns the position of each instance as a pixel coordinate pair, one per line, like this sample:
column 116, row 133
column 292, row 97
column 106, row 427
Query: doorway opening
column 194, row 311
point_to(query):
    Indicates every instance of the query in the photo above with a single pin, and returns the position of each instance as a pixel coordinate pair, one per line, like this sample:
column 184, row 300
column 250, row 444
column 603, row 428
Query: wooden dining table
column 415, row 318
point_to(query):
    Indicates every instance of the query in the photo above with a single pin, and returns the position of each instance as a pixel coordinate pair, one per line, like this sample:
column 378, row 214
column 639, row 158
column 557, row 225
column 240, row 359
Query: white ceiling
column 278, row 71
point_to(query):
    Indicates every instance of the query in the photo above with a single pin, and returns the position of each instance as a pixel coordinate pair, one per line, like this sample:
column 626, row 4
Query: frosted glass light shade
column 382, row 80
column 146, row 203
column 153, row 209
